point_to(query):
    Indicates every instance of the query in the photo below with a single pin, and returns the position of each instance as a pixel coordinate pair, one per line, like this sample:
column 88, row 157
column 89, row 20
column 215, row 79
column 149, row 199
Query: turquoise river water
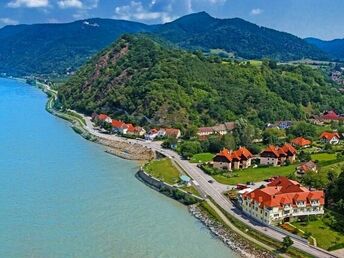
column 62, row 196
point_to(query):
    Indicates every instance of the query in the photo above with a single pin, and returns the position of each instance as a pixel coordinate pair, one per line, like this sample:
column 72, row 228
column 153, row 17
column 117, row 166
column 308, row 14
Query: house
column 116, row 125
column 306, row 167
column 205, row 131
column 140, row 131
column 282, row 200
column 152, row 134
column 275, row 156
column 172, row 133
column 331, row 138
column 230, row 126
column 280, row 125
column 220, row 129
column 301, row 142
column 329, row 116
column 127, row 129
column 104, row 118
column 231, row 160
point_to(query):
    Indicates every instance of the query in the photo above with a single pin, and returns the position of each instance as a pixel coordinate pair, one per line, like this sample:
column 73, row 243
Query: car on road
column 210, row 181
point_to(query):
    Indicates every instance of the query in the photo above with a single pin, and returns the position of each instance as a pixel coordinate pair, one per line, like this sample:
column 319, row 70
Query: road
column 214, row 190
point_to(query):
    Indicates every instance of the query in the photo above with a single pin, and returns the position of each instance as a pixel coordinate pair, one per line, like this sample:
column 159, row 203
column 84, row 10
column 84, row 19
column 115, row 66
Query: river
column 62, row 196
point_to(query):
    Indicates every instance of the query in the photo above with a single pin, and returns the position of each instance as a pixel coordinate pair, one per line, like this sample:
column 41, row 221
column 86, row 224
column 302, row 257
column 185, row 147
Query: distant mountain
column 49, row 48
column 138, row 79
column 245, row 39
column 334, row 48
column 56, row 48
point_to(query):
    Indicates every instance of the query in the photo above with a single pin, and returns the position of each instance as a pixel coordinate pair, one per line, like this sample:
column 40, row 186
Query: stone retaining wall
column 161, row 185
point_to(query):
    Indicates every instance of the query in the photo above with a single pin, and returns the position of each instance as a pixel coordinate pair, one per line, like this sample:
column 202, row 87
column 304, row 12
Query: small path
column 241, row 233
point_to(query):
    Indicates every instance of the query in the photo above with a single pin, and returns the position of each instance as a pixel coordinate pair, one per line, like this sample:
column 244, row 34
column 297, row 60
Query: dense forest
column 244, row 39
column 62, row 48
column 334, row 48
column 145, row 82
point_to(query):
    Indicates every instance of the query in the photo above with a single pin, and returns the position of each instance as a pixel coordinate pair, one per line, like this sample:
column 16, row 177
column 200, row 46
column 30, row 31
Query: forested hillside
column 334, row 48
column 147, row 82
column 59, row 48
column 244, row 39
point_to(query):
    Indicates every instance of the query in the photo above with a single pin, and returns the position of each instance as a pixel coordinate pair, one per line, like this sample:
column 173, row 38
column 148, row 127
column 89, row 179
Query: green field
column 164, row 170
column 323, row 156
column 325, row 236
column 254, row 174
column 202, row 157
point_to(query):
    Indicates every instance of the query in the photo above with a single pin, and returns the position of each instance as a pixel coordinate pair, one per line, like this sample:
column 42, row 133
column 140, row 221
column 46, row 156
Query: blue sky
column 319, row 18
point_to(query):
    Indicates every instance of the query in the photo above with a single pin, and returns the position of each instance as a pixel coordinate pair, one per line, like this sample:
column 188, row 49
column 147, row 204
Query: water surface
column 62, row 196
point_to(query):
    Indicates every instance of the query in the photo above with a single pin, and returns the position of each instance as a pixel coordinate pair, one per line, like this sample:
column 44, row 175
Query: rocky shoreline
column 228, row 237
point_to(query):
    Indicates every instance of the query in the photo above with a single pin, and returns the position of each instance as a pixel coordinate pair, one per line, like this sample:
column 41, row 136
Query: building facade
column 231, row 160
column 281, row 201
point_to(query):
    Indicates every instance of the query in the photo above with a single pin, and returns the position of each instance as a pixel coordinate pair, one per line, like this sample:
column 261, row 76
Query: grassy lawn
column 254, row 174
column 190, row 189
column 164, row 170
column 202, row 157
column 325, row 236
column 323, row 156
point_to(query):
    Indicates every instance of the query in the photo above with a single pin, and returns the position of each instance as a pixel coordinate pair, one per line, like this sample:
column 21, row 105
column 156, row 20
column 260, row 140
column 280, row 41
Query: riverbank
column 119, row 148
column 227, row 236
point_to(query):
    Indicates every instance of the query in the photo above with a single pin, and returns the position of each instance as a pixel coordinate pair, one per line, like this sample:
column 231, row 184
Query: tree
column 190, row 132
column 190, row 148
column 272, row 136
column 244, row 132
column 287, row 242
column 303, row 129
column 169, row 143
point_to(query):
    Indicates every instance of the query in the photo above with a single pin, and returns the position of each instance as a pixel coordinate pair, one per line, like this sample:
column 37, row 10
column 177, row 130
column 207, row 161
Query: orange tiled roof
column 102, row 117
column 117, row 123
column 283, row 191
column 328, row 135
column 280, row 151
column 237, row 154
column 288, row 147
column 300, row 141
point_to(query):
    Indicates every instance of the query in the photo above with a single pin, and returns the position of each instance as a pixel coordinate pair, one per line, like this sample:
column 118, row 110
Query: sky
column 316, row 18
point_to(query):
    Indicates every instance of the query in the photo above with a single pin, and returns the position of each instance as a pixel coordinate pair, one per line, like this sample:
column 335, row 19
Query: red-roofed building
column 282, row 200
column 116, row 125
column 275, row 156
column 230, row 160
column 330, row 116
column 104, row 118
column 169, row 132
column 152, row 134
column 301, row 142
column 306, row 167
column 331, row 138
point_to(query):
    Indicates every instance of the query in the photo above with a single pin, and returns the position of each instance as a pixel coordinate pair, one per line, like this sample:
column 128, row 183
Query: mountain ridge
column 334, row 47
column 58, row 48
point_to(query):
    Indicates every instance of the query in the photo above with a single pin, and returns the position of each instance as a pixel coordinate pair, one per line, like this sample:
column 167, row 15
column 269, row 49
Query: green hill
column 334, row 48
column 144, row 81
column 62, row 48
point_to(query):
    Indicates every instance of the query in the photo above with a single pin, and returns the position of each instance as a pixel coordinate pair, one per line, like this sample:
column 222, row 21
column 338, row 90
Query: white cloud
column 256, row 11
column 136, row 11
column 8, row 21
column 70, row 4
column 28, row 3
